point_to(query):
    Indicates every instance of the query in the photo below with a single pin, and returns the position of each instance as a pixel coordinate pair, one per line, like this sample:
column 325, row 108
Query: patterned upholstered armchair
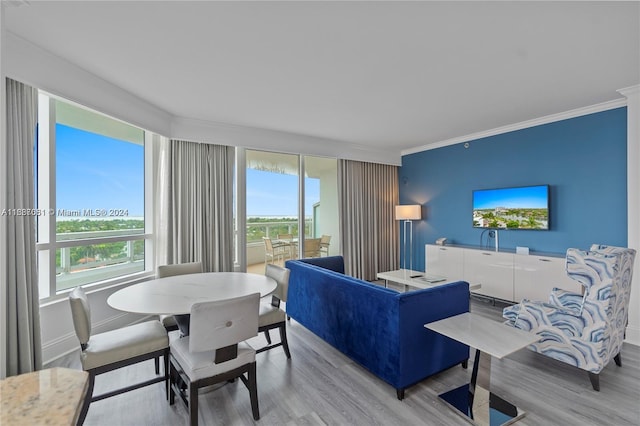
column 583, row 330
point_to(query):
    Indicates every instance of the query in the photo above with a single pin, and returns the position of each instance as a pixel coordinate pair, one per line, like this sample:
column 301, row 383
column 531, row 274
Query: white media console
column 502, row 275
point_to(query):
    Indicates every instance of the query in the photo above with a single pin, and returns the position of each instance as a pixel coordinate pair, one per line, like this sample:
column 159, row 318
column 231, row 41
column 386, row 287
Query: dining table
column 174, row 295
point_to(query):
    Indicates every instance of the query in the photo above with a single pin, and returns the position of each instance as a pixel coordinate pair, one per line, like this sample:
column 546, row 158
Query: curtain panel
column 201, row 205
column 161, row 199
column 22, row 310
column 368, row 193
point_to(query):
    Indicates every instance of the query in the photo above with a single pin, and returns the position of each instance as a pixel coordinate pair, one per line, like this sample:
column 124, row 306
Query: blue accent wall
column 582, row 159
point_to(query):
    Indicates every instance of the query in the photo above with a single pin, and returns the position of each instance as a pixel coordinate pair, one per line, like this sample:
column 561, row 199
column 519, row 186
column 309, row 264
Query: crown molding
column 631, row 90
column 604, row 106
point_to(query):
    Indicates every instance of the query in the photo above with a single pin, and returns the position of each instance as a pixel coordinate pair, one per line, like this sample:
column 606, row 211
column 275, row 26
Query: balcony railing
column 257, row 230
column 93, row 256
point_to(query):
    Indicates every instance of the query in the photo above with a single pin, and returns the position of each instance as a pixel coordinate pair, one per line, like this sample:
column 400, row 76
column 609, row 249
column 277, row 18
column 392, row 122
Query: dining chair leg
column 193, row 404
column 156, row 360
column 167, row 382
column 283, row 338
column 172, row 384
column 267, row 336
column 253, row 391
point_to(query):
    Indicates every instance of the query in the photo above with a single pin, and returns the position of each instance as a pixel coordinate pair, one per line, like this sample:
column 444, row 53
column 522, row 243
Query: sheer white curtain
column 368, row 193
column 162, row 199
column 24, row 349
column 200, row 205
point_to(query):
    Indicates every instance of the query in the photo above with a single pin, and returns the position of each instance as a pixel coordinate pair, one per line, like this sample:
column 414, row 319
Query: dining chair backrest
column 325, row 240
column 281, row 276
column 223, row 323
column 288, row 237
column 179, row 269
column 81, row 315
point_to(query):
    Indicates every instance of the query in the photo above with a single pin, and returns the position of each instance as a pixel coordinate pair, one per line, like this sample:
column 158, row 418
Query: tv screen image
column 525, row 207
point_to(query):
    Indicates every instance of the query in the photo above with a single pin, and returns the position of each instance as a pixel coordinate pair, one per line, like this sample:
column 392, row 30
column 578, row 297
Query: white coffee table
column 416, row 279
column 475, row 401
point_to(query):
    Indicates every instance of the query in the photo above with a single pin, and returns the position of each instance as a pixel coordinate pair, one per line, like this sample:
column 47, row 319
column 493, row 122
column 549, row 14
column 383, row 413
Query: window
column 290, row 200
column 272, row 207
column 91, row 180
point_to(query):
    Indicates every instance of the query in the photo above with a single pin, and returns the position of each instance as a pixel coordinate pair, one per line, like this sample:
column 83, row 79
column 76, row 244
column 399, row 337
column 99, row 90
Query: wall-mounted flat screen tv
column 525, row 207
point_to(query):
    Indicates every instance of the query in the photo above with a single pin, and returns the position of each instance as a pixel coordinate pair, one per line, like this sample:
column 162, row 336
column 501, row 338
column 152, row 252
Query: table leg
column 183, row 322
column 476, row 401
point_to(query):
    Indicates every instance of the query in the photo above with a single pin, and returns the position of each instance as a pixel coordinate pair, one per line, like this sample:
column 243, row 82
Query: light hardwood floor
column 320, row 386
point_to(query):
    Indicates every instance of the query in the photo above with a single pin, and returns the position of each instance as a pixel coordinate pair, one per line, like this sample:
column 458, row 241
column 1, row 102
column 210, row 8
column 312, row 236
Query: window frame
column 45, row 193
column 241, row 256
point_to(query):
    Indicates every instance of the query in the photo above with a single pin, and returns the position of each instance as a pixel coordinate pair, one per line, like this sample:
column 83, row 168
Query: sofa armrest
column 424, row 352
column 535, row 316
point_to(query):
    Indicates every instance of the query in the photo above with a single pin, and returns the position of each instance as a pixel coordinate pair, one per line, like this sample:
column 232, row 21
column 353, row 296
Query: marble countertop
column 52, row 396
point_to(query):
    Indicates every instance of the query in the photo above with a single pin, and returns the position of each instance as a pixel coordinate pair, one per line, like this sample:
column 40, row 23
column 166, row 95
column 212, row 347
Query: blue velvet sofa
column 379, row 328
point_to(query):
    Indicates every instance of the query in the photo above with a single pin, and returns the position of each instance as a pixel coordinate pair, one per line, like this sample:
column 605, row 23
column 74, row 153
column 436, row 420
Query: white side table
column 475, row 401
column 416, row 279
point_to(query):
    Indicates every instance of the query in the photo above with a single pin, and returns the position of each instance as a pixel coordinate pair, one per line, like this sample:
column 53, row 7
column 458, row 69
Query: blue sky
column 525, row 197
column 276, row 194
column 98, row 172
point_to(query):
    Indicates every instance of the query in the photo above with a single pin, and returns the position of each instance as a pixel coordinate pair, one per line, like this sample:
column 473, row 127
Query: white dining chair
column 108, row 351
column 169, row 321
column 271, row 313
column 215, row 351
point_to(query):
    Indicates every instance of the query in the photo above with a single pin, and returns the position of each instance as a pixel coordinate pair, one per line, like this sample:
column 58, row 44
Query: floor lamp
column 408, row 213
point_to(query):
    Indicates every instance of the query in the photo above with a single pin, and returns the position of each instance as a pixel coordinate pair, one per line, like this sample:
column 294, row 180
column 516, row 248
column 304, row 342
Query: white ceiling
column 381, row 74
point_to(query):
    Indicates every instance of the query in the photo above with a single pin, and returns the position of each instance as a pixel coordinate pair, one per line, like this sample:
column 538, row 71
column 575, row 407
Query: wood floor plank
column 321, row 386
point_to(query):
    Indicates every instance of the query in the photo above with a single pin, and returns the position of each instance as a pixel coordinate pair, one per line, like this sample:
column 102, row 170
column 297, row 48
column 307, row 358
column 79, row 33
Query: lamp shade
column 408, row 212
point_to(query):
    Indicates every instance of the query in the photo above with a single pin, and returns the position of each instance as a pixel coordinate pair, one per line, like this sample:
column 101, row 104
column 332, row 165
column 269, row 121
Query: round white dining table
column 175, row 295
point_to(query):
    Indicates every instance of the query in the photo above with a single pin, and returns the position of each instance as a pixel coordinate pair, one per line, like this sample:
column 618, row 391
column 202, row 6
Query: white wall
column 3, row 200
column 633, row 205
column 328, row 212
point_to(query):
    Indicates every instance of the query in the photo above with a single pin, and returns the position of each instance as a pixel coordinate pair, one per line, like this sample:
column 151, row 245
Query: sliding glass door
column 272, row 208
column 290, row 208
